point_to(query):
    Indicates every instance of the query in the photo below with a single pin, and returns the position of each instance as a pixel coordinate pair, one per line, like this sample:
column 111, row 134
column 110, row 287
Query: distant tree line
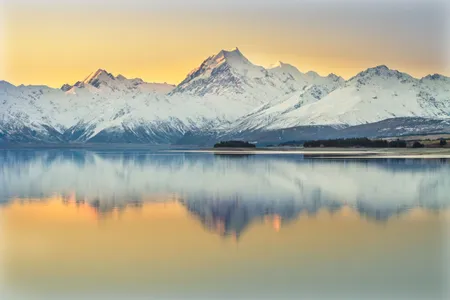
column 356, row 142
column 364, row 142
column 292, row 143
column 234, row 144
column 417, row 144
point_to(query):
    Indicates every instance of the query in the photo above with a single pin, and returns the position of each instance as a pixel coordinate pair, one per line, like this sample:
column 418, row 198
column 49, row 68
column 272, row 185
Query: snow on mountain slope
column 123, row 104
column 287, row 72
column 28, row 106
column 274, row 110
column 373, row 95
column 229, row 74
column 103, row 82
column 153, row 114
column 225, row 93
column 116, row 105
column 226, row 72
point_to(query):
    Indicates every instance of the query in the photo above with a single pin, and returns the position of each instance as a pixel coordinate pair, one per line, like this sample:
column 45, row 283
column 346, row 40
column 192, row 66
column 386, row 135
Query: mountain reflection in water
column 126, row 225
column 233, row 217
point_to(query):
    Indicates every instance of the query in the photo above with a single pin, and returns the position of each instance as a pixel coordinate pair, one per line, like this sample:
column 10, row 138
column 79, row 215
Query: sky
column 54, row 42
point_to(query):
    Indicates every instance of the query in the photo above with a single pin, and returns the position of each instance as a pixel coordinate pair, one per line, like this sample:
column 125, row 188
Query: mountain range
column 226, row 97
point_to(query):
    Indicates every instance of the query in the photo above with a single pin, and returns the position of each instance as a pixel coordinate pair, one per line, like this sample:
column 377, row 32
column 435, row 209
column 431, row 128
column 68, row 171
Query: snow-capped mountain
column 373, row 95
column 102, row 82
column 273, row 111
column 231, row 74
column 225, row 95
column 104, row 108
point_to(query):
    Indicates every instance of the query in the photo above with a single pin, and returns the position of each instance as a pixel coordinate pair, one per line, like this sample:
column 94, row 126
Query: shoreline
column 329, row 152
column 332, row 152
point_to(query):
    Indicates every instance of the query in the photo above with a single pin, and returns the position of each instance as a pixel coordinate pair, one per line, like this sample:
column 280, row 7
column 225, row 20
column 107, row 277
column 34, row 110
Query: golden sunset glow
column 53, row 42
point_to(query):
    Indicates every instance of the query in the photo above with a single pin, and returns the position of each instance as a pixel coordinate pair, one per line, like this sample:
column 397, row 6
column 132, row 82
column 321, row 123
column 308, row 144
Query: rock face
column 226, row 95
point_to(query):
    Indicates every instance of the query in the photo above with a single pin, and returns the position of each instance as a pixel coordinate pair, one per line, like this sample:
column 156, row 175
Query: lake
column 91, row 224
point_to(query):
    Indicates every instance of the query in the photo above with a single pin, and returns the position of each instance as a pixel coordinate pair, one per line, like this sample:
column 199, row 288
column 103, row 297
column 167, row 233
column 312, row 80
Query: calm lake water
column 143, row 225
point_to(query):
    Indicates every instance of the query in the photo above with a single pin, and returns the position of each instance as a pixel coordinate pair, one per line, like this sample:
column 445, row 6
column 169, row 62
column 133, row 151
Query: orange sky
column 52, row 43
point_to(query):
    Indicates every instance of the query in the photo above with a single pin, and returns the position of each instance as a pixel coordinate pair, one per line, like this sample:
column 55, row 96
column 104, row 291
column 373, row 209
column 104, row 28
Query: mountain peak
column 234, row 52
column 121, row 77
column 5, row 84
column 225, row 72
column 335, row 77
column 382, row 71
column 280, row 64
column 312, row 74
column 381, row 68
column 99, row 76
column 214, row 61
column 66, row 87
column 234, row 56
column 435, row 77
